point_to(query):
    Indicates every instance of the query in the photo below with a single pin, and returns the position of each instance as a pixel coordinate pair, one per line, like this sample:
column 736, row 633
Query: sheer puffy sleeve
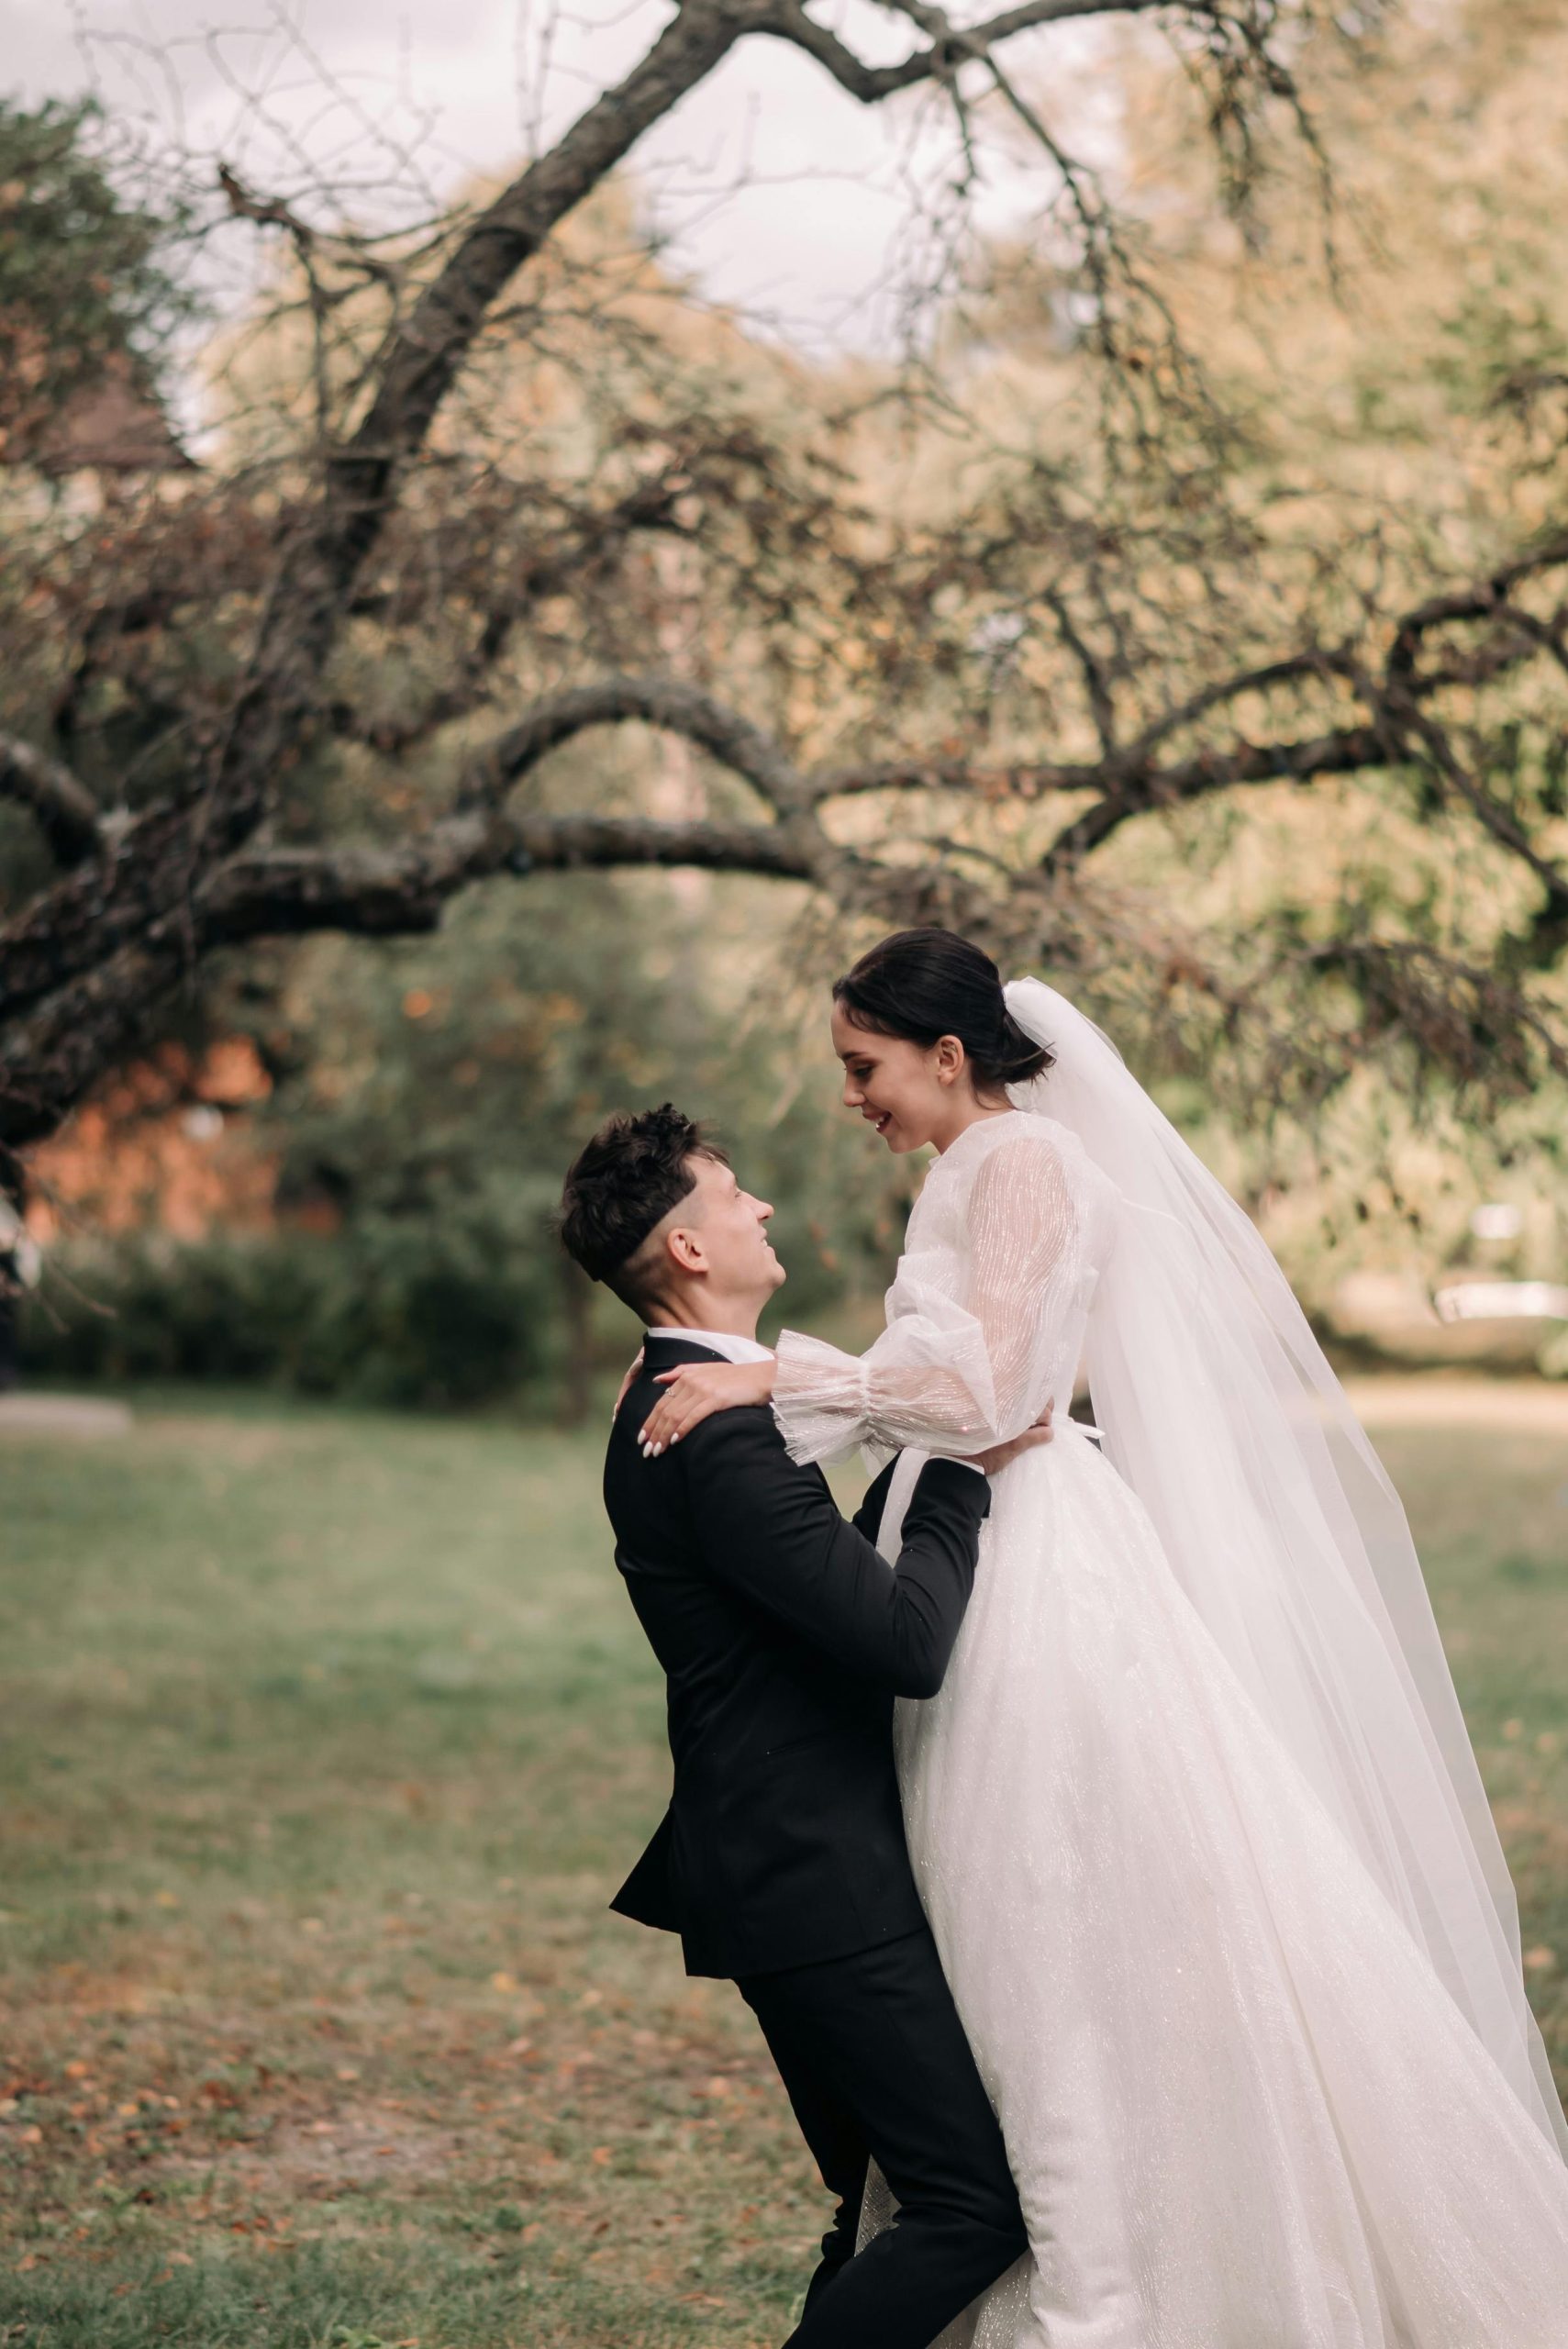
column 971, row 1352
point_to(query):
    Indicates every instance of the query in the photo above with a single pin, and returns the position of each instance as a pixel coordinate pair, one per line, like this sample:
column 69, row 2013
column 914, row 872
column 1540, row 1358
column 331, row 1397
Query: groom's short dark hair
column 633, row 1171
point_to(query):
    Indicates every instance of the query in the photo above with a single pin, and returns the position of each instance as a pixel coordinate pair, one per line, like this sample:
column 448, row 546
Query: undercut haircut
column 621, row 1187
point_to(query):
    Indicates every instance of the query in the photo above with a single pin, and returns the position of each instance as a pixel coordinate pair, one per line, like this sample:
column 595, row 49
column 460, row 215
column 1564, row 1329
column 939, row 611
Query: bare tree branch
column 390, row 892
column 65, row 809
column 665, row 702
column 871, row 83
column 1294, row 668
column 1347, row 750
column 1030, row 779
column 1478, row 599
column 49, row 1058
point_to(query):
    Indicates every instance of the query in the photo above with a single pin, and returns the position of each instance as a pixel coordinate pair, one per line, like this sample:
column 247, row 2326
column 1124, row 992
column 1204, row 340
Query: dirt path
column 1517, row 1406
column 83, row 1417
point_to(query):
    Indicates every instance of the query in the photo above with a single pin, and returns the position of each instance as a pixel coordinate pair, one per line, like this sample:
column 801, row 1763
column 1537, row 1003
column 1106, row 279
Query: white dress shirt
column 720, row 1341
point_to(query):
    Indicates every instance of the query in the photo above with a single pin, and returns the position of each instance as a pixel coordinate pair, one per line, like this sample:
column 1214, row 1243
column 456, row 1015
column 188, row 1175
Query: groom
column 784, row 1638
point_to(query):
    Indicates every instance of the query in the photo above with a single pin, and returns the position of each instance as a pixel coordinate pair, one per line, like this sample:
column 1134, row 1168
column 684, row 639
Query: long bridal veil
column 1219, row 1410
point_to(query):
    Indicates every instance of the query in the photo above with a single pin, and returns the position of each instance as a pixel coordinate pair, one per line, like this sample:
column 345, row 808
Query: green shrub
column 389, row 1312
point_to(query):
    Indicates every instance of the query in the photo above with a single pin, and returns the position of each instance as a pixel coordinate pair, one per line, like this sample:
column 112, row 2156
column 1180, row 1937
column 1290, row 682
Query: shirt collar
column 720, row 1341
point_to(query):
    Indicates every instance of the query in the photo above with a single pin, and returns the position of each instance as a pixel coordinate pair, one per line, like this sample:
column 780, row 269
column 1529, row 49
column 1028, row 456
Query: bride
column 1195, row 1816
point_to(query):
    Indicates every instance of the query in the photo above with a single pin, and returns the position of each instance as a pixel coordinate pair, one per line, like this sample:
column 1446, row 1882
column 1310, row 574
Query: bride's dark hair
column 925, row 983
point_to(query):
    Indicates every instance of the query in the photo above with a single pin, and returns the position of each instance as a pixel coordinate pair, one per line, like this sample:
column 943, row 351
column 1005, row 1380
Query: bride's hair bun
column 925, row 983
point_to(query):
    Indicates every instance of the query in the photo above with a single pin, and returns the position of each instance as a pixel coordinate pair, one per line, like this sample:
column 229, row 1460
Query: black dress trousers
column 875, row 2063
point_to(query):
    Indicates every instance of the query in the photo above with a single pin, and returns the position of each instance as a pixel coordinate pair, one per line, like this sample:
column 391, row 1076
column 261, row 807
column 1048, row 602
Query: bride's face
column 906, row 1090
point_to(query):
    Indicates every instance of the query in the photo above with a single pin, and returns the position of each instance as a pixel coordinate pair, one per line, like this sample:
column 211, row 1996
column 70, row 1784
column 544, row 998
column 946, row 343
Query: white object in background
column 1502, row 1301
column 80, row 1417
column 16, row 1242
column 1498, row 1219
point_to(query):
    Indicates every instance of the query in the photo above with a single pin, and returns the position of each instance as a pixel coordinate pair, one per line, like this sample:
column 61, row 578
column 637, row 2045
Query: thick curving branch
column 50, row 1058
column 392, row 892
column 665, row 702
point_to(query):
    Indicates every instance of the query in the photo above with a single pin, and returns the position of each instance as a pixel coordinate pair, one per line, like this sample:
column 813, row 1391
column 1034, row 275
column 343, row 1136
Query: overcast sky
column 471, row 84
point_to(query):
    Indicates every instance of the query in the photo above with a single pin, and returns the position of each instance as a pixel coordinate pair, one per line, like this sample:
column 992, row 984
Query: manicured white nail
column 674, row 1439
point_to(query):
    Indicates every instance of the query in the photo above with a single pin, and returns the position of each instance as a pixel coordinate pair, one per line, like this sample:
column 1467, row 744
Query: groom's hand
column 1000, row 1453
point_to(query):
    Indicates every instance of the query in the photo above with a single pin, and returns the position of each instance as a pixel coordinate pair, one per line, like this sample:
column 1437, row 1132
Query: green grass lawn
column 323, row 1740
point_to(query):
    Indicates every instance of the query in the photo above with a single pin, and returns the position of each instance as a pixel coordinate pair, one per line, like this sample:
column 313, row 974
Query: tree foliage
column 91, row 282
column 1221, row 515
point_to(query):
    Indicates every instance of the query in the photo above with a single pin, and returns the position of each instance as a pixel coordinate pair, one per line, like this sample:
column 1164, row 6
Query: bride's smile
column 910, row 1094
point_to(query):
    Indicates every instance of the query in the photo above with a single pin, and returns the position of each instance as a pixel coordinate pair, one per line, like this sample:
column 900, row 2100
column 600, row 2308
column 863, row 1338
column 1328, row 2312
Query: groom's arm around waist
column 773, row 1531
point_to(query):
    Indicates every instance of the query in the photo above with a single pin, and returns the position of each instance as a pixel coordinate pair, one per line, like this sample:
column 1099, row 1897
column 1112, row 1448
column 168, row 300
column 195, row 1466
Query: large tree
column 944, row 641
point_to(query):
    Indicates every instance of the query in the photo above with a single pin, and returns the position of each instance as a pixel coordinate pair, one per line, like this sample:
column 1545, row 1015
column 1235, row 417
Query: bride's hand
column 697, row 1389
column 1000, row 1453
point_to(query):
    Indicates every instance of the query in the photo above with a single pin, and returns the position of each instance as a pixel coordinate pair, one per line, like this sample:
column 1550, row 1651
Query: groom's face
column 719, row 1235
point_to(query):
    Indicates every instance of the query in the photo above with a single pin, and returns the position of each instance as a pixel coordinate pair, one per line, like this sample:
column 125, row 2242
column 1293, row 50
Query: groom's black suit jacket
column 784, row 1638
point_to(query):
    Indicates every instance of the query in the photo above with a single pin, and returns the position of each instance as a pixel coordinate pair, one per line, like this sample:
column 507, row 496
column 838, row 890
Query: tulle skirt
column 1241, row 2110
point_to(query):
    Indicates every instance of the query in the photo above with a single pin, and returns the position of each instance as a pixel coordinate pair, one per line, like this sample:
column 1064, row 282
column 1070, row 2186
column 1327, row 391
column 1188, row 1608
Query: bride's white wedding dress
column 1242, row 2106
